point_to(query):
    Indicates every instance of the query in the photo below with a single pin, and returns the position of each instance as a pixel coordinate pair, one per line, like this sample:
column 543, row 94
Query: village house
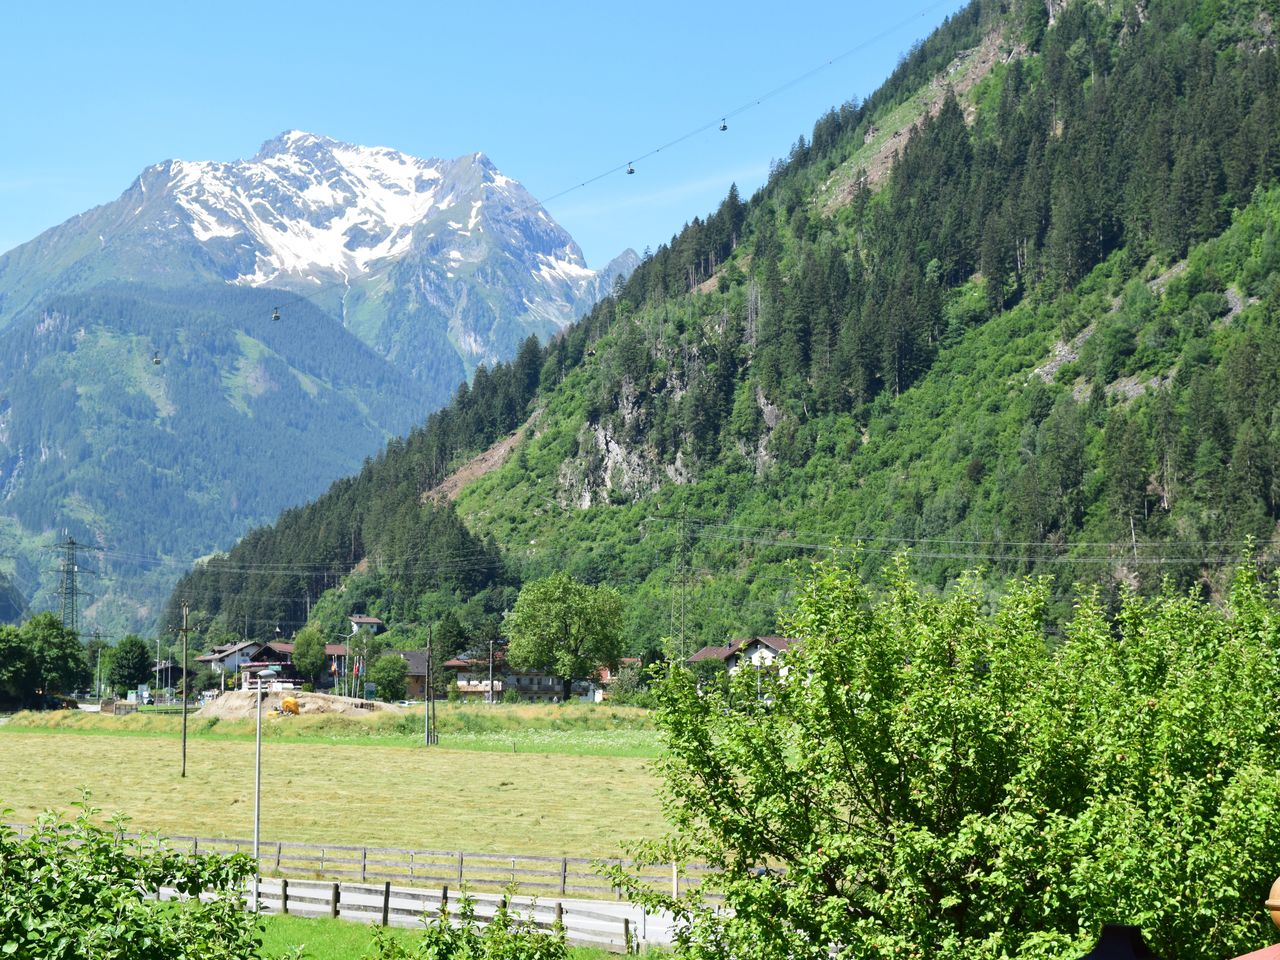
column 228, row 659
column 758, row 652
column 360, row 623
column 335, row 664
column 473, row 679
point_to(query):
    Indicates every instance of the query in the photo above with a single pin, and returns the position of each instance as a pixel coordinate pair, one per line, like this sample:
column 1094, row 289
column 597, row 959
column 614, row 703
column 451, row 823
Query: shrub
column 73, row 889
column 932, row 777
column 506, row 937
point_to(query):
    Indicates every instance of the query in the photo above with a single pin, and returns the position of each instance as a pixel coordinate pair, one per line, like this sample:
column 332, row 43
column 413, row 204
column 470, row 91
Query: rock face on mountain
column 150, row 405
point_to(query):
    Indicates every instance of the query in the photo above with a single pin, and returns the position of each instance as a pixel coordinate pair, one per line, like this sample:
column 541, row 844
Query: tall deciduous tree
column 40, row 657
column 56, row 653
column 308, row 653
column 130, row 663
column 565, row 627
column 388, row 673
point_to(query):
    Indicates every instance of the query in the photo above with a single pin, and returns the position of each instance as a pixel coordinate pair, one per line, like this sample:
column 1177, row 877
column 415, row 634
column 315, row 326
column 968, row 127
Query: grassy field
column 569, row 729
column 358, row 793
column 324, row 939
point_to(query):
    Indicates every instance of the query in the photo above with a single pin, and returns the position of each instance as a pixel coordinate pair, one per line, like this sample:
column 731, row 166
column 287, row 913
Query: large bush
column 937, row 778
column 74, row 891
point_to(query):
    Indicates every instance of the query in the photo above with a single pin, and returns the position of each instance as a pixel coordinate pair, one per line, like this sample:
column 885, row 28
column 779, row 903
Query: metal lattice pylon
column 68, row 589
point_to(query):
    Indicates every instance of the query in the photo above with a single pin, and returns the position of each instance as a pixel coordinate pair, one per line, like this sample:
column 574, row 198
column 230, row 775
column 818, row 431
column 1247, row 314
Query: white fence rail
column 617, row 927
column 537, row 876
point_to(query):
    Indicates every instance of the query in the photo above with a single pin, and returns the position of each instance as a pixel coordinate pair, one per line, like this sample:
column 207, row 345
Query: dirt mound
column 242, row 704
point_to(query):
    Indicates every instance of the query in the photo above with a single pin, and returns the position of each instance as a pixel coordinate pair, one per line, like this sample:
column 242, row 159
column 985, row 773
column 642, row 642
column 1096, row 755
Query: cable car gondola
column 155, row 358
column 723, row 125
column 630, row 169
column 275, row 313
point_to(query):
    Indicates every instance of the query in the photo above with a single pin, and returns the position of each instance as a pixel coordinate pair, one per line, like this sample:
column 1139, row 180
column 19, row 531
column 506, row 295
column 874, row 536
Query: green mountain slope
column 158, row 461
column 861, row 356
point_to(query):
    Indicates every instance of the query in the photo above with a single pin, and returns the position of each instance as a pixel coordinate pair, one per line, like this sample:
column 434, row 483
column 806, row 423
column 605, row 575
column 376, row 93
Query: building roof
column 330, row 649
column 474, row 663
column 777, row 644
column 220, row 653
column 361, row 618
column 415, row 661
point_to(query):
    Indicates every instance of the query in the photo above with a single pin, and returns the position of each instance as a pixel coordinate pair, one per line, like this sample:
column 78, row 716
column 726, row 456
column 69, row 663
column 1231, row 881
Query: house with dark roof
column 366, row 624
column 473, row 679
column 758, row 652
column 230, row 657
column 335, row 664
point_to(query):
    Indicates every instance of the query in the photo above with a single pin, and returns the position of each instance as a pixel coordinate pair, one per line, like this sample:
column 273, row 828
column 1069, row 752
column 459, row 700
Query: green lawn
column 324, row 939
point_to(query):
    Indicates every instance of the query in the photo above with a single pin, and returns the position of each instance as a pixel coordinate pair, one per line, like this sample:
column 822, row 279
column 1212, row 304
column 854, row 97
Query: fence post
column 564, row 873
column 675, row 880
column 626, row 935
column 364, row 861
column 279, row 844
column 284, row 895
column 411, row 866
column 459, row 868
column 444, row 900
column 333, row 901
column 559, row 914
column 386, row 902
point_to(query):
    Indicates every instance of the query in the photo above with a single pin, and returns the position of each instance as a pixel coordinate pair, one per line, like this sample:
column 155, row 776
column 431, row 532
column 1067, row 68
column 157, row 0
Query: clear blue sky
column 554, row 93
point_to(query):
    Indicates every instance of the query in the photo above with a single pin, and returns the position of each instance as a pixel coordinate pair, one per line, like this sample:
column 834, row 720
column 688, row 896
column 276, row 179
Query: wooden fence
column 479, row 872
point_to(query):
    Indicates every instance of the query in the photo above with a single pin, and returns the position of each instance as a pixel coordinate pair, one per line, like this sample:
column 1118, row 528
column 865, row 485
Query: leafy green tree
column 40, row 657
column 13, row 665
column 388, row 673
column 130, row 663
column 56, row 652
column 75, row 889
column 931, row 777
column 308, row 653
column 565, row 627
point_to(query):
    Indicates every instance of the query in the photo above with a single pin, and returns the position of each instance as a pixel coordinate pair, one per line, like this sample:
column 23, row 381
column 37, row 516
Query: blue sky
column 555, row 94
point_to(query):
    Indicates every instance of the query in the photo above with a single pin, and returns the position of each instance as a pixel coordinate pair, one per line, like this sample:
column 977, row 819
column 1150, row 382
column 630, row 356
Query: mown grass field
column 571, row 729
column 348, row 788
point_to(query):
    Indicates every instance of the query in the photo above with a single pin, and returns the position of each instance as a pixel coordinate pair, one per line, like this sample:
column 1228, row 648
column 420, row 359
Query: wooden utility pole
column 185, row 684
column 429, row 735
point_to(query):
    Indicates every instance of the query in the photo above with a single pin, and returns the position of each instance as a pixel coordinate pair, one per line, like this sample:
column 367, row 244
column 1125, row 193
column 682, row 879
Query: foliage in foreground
column 934, row 777
column 507, row 936
column 74, row 890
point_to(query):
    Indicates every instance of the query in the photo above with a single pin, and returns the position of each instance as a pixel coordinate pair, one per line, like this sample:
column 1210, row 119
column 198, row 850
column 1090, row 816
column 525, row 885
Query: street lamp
column 264, row 674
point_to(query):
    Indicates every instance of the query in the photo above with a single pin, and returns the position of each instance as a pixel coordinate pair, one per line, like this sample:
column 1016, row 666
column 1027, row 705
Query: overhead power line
column 718, row 121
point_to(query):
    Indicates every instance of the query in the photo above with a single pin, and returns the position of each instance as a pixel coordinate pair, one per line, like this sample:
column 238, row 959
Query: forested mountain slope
column 987, row 358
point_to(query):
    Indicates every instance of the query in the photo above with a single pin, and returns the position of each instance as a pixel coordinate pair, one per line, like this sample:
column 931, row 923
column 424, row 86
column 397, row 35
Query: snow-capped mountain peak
column 307, row 204
column 417, row 255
